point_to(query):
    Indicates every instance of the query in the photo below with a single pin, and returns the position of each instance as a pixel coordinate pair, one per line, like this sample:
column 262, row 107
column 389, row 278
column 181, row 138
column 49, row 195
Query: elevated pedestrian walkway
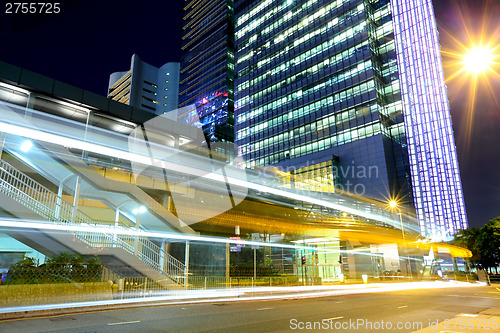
column 28, row 200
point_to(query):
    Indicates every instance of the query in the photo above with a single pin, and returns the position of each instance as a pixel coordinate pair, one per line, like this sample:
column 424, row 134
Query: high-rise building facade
column 207, row 68
column 145, row 86
column 350, row 93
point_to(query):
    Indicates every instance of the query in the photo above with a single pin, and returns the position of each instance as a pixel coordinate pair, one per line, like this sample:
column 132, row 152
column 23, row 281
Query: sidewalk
column 485, row 321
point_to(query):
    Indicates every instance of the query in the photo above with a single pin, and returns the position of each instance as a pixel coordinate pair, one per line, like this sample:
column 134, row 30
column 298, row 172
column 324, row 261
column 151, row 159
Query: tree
column 467, row 238
column 489, row 243
column 484, row 243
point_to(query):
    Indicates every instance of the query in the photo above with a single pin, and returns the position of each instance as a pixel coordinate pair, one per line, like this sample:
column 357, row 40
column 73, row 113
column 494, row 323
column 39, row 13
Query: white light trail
column 199, row 297
column 59, row 138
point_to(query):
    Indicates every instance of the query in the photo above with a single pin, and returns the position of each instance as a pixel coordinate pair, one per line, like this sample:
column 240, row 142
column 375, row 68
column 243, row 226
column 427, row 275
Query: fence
column 220, row 282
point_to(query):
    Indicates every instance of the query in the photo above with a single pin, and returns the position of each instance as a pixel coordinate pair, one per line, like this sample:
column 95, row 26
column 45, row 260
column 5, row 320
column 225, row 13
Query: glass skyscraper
column 207, row 68
column 352, row 94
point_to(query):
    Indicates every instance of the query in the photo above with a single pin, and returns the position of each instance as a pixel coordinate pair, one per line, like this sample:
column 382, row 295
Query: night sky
column 90, row 39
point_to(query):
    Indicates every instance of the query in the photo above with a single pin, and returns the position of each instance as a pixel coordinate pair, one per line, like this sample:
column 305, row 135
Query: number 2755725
column 32, row 8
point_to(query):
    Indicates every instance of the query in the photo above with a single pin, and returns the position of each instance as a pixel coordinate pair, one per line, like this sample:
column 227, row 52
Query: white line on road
column 402, row 306
column 334, row 318
column 125, row 322
column 262, row 309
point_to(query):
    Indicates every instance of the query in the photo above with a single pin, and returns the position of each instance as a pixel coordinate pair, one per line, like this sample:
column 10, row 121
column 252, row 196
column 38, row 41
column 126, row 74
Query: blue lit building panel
column 434, row 168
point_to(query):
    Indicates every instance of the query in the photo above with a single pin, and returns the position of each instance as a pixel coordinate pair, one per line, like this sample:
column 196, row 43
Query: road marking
column 474, row 296
column 402, row 306
column 125, row 322
column 262, row 309
column 334, row 318
column 468, row 315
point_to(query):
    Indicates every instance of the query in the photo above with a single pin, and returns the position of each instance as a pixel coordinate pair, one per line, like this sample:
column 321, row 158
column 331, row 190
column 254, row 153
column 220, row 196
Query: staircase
column 46, row 204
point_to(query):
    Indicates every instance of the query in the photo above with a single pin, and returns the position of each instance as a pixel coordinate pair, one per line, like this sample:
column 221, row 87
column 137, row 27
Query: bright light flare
column 141, row 209
column 478, row 60
column 26, row 146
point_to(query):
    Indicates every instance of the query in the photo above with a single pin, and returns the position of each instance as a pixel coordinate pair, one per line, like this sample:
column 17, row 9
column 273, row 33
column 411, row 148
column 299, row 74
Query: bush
column 62, row 268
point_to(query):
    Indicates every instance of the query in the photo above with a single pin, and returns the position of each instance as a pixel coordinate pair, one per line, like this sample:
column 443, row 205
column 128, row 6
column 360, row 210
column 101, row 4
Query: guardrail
column 55, row 209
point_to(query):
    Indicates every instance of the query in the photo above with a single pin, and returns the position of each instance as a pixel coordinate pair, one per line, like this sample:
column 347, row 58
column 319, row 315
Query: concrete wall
column 34, row 294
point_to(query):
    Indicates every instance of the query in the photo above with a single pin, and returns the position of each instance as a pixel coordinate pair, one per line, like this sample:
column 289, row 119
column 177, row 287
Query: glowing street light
column 139, row 210
column 478, row 59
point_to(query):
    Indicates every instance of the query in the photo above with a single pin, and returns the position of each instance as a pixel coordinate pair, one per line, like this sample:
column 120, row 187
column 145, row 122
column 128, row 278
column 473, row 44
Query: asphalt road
column 414, row 309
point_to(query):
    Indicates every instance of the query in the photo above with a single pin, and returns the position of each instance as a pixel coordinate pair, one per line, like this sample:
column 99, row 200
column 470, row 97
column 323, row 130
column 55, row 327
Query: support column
column 186, row 263
column 137, row 227
column 170, row 205
column 2, row 143
column 227, row 264
column 75, row 199
column 59, row 201
column 84, row 152
column 117, row 219
column 255, row 263
column 163, row 255
column 30, row 103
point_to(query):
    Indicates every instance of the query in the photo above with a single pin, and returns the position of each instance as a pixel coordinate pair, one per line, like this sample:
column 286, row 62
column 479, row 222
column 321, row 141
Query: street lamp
column 478, row 59
column 138, row 212
column 393, row 204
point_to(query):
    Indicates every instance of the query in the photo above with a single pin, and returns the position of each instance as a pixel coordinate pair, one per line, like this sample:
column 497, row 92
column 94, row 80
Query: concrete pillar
column 30, row 104
column 163, row 253
column 455, row 264
column 227, row 264
column 58, row 200
column 76, row 198
column 2, row 143
column 117, row 219
column 186, row 263
column 84, row 152
column 137, row 227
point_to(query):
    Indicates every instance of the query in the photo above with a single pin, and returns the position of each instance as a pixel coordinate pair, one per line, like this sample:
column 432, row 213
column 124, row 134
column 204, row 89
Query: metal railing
column 55, row 209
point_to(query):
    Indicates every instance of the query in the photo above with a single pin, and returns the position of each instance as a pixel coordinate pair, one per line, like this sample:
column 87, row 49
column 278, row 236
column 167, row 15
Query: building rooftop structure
column 153, row 89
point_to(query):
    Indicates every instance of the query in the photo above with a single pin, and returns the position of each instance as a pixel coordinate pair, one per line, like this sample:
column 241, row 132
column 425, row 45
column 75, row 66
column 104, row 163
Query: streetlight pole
column 408, row 271
column 394, row 204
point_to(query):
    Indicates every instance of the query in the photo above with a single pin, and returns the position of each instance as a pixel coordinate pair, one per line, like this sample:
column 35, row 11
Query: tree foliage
column 484, row 243
column 61, row 268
